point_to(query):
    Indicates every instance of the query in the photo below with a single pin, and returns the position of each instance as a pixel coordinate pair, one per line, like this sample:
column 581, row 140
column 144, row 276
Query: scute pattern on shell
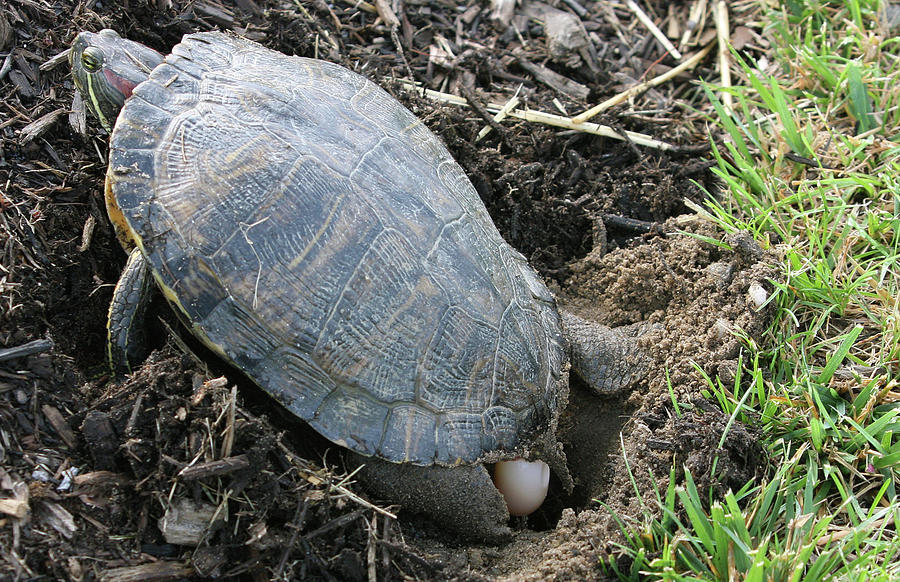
column 318, row 235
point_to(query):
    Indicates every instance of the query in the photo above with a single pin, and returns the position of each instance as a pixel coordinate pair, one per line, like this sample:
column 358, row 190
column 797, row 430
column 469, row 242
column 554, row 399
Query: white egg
column 758, row 294
column 523, row 484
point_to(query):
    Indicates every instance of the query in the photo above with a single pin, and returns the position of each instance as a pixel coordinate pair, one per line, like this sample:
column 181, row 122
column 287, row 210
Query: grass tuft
column 810, row 165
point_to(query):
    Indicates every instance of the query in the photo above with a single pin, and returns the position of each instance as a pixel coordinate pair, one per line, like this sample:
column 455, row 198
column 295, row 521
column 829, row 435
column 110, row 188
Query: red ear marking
column 120, row 83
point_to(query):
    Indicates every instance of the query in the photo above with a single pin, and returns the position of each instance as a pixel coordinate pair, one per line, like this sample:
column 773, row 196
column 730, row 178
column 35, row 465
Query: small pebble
column 41, row 475
column 722, row 272
column 68, row 479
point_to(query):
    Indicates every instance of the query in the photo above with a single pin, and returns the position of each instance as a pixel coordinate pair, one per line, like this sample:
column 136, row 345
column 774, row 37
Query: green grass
column 811, row 167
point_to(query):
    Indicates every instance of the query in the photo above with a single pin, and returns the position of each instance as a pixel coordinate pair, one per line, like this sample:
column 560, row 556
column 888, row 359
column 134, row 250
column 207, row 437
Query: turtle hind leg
column 127, row 310
column 461, row 499
column 609, row 360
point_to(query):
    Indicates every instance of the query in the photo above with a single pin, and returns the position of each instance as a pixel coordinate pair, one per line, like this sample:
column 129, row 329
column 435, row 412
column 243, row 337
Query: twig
column 228, row 441
column 360, row 4
column 296, row 526
column 641, row 87
column 545, row 118
column 626, row 223
column 697, row 16
column 215, row 468
column 27, row 349
column 306, row 473
column 578, row 8
column 55, row 60
column 654, row 30
column 335, row 523
column 371, row 550
column 485, row 116
column 722, row 33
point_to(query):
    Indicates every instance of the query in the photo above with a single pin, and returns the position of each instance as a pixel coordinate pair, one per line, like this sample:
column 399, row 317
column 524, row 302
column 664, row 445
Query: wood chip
column 100, row 438
column 470, row 14
column 212, row 468
column 6, row 66
column 55, row 60
column 78, row 115
column 60, row 425
column 186, row 523
column 17, row 505
column 19, row 79
column 57, row 517
column 218, row 13
column 552, row 79
column 23, row 65
column 37, row 127
column 149, row 572
column 386, row 13
column 5, row 30
column 87, row 233
column 502, row 11
column 100, row 478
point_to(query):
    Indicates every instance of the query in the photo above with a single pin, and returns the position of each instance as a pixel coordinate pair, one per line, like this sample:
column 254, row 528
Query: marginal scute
column 316, row 234
column 459, row 438
column 409, row 434
column 355, row 420
column 499, row 428
column 289, row 363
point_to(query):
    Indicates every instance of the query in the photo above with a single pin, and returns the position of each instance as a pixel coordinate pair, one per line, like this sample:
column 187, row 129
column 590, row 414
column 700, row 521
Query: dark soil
column 89, row 468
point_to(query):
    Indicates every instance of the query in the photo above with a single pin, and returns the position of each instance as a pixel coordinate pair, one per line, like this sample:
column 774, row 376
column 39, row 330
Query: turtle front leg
column 607, row 359
column 127, row 310
column 463, row 499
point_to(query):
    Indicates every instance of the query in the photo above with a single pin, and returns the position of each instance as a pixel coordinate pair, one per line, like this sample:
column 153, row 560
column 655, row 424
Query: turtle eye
column 92, row 59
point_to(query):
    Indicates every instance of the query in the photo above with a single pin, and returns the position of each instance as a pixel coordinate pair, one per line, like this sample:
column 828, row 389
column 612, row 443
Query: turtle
column 315, row 234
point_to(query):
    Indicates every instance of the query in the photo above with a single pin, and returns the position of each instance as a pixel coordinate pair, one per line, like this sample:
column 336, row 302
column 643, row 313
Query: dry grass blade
column 641, row 87
column 654, row 30
column 723, row 35
column 500, row 116
column 545, row 118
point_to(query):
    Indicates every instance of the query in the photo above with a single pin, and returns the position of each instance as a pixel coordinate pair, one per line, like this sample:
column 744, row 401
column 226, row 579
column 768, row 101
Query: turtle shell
column 316, row 234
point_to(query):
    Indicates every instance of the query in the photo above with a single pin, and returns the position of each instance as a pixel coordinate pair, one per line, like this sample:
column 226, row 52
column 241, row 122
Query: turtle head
column 106, row 68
